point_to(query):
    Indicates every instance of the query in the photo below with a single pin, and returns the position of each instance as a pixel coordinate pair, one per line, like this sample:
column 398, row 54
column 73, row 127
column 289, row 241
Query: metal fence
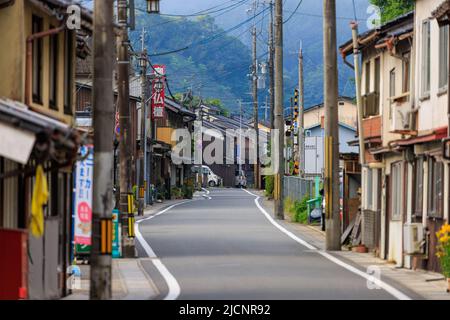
column 296, row 188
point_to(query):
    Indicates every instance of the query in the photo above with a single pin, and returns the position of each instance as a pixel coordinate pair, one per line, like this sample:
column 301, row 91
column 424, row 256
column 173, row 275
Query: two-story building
column 38, row 143
column 404, row 90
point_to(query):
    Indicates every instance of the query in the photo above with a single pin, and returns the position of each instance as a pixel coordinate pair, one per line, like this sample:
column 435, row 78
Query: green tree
column 391, row 9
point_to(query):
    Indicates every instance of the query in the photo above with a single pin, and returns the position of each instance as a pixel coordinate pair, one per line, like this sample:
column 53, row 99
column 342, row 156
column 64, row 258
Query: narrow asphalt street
column 222, row 246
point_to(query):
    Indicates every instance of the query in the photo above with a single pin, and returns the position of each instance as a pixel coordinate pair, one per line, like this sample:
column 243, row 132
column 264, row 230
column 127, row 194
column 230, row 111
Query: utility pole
column 301, row 115
column 331, row 183
column 255, row 106
column 143, row 134
column 125, row 143
column 271, row 68
column 103, row 117
column 278, row 111
column 362, row 155
column 240, row 136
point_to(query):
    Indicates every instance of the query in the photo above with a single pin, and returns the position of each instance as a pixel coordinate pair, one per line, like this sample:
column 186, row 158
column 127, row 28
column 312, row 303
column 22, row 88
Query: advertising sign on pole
column 158, row 94
column 83, row 199
column 116, row 234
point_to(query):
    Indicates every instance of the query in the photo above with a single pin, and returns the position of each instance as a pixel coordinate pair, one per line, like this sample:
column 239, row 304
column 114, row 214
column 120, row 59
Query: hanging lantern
column 153, row 6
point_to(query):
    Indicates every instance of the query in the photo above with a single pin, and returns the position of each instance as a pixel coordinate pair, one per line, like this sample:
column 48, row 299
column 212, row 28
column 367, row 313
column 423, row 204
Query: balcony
column 372, row 127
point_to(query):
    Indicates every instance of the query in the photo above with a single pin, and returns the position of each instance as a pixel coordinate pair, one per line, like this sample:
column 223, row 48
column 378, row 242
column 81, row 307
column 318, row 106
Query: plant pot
column 360, row 249
column 448, row 285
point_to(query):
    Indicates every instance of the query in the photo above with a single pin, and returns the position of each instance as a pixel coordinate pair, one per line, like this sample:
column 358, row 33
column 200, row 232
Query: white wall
column 433, row 109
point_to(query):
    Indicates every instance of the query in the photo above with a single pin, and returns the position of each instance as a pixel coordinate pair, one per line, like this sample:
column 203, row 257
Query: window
column 435, row 188
column 68, row 71
column 377, row 83
column 418, row 187
column 37, row 26
column 391, row 89
column 53, row 71
column 397, row 191
column 426, row 42
column 443, row 57
column 369, row 189
column 406, row 72
column 367, row 77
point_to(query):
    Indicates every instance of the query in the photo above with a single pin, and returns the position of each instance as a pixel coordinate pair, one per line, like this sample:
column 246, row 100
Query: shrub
column 443, row 249
column 188, row 189
column 301, row 210
column 269, row 180
column 176, row 193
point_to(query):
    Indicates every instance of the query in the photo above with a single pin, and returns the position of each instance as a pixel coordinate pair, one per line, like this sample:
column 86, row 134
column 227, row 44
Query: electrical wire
column 294, row 12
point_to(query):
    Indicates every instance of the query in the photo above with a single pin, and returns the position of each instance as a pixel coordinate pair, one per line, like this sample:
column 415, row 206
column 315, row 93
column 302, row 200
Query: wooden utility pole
column 255, row 106
column 301, row 115
column 103, row 121
column 331, row 183
column 125, row 143
column 271, row 70
column 362, row 155
column 143, row 133
column 277, row 159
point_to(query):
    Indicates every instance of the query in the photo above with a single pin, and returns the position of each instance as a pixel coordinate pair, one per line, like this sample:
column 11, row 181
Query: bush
column 269, row 180
column 188, row 189
column 176, row 193
column 301, row 210
column 297, row 210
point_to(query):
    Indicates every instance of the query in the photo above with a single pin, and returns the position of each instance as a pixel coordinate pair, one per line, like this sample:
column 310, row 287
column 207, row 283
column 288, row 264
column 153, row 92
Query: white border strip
column 390, row 289
column 172, row 283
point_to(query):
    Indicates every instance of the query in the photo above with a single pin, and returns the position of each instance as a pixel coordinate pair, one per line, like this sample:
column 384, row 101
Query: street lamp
column 153, row 6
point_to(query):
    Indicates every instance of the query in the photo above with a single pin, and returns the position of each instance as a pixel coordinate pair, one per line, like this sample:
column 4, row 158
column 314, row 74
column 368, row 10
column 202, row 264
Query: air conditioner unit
column 414, row 239
column 401, row 119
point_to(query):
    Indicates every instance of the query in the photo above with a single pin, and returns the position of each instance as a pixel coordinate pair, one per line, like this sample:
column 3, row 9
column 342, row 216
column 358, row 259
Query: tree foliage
column 390, row 9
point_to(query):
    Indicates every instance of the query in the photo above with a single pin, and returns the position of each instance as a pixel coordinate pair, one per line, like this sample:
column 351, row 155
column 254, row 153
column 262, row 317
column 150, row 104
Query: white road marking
column 390, row 289
column 172, row 283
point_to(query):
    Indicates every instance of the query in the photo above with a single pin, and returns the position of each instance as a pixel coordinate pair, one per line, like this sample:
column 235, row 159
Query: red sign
column 158, row 94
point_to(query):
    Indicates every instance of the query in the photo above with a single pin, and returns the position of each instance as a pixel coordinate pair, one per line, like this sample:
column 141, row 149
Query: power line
column 294, row 12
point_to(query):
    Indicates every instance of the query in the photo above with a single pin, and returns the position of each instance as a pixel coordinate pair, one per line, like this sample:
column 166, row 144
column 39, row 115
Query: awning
column 22, row 130
column 437, row 134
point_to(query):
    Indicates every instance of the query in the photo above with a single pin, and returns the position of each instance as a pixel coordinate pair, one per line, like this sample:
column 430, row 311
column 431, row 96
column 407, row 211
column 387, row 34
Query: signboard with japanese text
column 158, row 94
column 83, row 196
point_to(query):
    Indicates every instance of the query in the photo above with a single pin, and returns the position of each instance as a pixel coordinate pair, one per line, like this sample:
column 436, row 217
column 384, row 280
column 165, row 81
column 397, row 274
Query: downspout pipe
column 29, row 61
column 354, row 27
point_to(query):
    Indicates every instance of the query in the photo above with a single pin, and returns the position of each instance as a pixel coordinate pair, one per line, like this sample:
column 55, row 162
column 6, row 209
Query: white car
column 213, row 179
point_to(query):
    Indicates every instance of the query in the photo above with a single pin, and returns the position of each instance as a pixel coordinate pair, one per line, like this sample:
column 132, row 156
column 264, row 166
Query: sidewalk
column 129, row 279
column 129, row 282
column 429, row 285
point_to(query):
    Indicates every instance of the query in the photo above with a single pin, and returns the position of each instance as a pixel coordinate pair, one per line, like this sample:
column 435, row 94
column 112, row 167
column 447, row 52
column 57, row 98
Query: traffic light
column 296, row 168
column 295, row 104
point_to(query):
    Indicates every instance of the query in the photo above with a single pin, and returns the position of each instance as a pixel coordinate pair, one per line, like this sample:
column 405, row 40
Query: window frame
column 418, row 186
column 426, row 58
column 397, row 186
column 435, row 189
column 392, row 79
column 53, row 70
column 37, row 25
column 68, row 72
column 443, row 57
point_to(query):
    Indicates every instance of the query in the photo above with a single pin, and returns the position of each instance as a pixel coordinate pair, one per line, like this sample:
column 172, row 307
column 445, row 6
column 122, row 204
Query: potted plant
column 443, row 251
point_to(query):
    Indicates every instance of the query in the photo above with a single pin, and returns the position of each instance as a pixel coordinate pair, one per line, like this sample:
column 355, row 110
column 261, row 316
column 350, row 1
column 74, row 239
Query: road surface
column 222, row 246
